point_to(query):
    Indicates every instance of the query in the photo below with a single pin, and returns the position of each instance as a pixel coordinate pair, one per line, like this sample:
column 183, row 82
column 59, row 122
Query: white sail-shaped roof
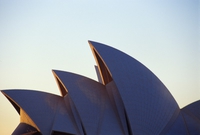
column 42, row 108
column 147, row 102
column 92, row 103
column 128, row 100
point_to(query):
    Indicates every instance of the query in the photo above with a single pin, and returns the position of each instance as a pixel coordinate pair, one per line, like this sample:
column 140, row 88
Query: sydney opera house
column 128, row 99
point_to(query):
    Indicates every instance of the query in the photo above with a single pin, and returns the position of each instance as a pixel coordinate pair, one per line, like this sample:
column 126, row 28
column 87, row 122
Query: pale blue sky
column 37, row 36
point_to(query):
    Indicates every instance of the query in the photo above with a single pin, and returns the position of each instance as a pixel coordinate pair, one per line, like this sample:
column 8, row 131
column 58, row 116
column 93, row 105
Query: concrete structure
column 128, row 100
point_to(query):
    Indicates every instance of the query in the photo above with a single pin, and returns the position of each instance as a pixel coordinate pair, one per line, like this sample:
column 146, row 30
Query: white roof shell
column 129, row 100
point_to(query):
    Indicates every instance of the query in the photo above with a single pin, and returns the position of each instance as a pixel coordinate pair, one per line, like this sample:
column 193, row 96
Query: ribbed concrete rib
column 64, row 121
column 191, row 114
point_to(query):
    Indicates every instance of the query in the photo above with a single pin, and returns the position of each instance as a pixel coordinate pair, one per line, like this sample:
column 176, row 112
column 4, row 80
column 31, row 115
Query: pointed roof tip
column 4, row 91
column 91, row 44
column 94, row 44
column 53, row 70
column 56, row 71
column 89, row 41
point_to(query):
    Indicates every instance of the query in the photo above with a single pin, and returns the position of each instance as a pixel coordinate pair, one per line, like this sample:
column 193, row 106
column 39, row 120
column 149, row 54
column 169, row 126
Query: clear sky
column 38, row 36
